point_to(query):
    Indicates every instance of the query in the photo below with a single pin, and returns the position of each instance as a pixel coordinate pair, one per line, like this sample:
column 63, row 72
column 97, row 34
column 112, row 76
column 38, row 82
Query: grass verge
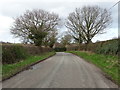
column 107, row 63
column 10, row 69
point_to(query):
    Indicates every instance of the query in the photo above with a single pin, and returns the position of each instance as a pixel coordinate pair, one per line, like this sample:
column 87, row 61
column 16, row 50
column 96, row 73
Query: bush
column 72, row 48
column 60, row 49
column 34, row 50
column 13, row 53
column 0, row 54
column 110, row 47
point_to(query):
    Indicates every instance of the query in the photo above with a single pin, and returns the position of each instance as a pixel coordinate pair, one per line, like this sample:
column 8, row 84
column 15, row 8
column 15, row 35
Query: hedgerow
column 12, row 53
column 110, row 47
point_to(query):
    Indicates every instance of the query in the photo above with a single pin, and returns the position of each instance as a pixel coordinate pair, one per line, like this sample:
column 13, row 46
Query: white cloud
column 5, row 23
column 5, row 35
column 110, row 34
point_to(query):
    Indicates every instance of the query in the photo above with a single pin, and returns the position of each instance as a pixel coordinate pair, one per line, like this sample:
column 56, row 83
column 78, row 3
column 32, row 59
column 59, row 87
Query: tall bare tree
column 51, row 38
column 66, row 39
column 34, row 25
column 88, row 21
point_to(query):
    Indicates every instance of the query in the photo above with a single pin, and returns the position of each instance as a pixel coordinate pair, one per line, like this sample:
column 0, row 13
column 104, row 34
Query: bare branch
column 87, row 22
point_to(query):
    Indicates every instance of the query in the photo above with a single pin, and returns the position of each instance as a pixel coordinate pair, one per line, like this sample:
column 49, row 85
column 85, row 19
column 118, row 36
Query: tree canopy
column 84, row 23
column 33, row 26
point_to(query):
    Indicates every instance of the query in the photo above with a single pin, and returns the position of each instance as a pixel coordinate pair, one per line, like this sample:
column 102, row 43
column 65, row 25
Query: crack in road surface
column 64, row 70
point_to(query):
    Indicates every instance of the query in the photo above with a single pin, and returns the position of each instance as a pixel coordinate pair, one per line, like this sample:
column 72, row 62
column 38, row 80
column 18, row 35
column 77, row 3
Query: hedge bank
column 104, row 47
column 12, row 53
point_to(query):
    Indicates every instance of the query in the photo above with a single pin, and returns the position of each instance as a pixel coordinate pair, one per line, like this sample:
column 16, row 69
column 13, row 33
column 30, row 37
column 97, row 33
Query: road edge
column 104, row 73
column 25, row 68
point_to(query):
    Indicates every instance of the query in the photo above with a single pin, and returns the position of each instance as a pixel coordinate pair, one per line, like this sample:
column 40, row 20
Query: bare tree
column 85, row 23
column 66, row 39
column 51, row 38
column 34, row 25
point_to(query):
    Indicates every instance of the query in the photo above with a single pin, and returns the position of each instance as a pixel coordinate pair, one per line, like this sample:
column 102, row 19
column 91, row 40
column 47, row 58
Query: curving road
column 64, row 70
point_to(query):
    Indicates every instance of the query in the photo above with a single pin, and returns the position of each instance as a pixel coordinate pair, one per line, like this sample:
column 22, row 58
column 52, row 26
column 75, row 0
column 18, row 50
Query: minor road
column 64, row 70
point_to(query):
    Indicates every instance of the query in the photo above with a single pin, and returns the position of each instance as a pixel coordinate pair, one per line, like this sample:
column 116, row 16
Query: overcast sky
column 10, row 9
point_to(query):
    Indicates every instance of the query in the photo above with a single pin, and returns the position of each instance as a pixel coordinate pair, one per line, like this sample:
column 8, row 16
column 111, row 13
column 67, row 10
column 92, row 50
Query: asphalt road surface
column 64, row 70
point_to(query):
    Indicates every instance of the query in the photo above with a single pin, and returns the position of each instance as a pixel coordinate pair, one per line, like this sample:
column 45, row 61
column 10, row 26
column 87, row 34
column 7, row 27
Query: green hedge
column 60, row 49
column 104, row 47
column 109, row 47
column 12, row 53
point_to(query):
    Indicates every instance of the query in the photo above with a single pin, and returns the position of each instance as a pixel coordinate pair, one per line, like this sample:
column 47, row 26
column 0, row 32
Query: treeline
column 38, row 27
column 41, row 28
column 103, row 47
column 12, row 53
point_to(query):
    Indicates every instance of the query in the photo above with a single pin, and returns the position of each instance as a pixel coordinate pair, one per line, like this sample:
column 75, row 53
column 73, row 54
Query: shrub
column 60, row 49
column 13, row 53
column 108, row 47
column 104, row 47
column 0, row 53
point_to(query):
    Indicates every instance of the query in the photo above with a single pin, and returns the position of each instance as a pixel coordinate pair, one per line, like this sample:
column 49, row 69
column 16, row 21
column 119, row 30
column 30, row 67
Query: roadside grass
column 10, row 69
column 107, row 63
